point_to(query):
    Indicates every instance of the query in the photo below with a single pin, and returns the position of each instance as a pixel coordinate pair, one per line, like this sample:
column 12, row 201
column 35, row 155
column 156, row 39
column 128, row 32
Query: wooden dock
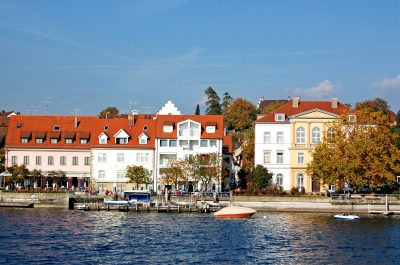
column 16, row 204
column 146, row 208
column 385, row 212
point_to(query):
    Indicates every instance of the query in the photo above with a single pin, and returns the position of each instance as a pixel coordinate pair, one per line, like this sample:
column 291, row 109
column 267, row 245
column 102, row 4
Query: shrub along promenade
column 305, row 203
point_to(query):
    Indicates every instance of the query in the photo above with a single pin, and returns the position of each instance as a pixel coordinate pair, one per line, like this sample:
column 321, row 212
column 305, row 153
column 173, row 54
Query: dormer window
column 121, row 137
column 84, row 137
column 57, row 128
column 279, row 117
column 168, row 126
column 103, row 138
column 210, row 127
column 143, row 139
column 25, row 137
column 352, row 118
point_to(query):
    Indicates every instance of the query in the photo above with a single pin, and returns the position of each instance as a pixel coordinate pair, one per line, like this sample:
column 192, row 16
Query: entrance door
column 316, row 186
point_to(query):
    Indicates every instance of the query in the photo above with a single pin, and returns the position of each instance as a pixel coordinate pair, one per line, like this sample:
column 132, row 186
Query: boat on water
column 183, row 204
column 235, row 212
column 347, row 216
column 126, row 203
column 82, row 207
column 217, row 204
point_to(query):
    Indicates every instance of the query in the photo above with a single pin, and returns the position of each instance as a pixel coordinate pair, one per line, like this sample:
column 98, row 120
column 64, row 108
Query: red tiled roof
column 228, row 141
column 84, row 135
column 304, row 106
column 40, row 135
column 69, row 135
column 54, row 135
column 25, row 134
column 202, row 119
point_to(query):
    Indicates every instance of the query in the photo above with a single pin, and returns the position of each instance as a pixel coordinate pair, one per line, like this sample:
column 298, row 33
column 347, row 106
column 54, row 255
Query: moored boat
column 347, row 216
column 235, row 212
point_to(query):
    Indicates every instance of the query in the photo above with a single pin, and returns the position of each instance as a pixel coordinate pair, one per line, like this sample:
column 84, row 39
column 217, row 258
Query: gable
column 315, row 114
column 121, row 134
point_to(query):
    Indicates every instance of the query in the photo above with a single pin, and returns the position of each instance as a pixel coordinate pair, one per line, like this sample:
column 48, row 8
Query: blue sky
column 89, row 55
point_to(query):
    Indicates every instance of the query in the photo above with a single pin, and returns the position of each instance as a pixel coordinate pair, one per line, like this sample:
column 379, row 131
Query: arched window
column 279, row 180
column 316, row 135
column 300, row 135
column 300, row 181
column 102, row 174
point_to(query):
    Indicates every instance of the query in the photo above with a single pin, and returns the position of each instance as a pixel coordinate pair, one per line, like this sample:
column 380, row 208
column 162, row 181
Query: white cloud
column 388, row 83
column 322, row 90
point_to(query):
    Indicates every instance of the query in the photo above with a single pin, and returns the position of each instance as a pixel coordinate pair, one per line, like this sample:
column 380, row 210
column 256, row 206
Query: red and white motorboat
column 235, row 212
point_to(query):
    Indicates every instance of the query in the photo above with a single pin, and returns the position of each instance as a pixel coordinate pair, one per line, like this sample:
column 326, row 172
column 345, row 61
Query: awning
column 55, row 135
column 69, row 135
column 40, row 135
column 84, row 135
column 25, row 134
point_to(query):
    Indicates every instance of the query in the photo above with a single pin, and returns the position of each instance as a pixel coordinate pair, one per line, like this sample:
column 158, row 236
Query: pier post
column 387, row 204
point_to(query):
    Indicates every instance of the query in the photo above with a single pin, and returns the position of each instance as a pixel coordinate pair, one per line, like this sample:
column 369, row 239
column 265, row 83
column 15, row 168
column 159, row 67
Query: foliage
column 57, row 175
column 36, row 174
column 273, row 106
column 398, row 119
column 226, row 101
column 212, row 103
column 248, row 150
column 260, row 177
column 138, row 175
column 238, row 136
column 373, row 108
column 197, row 110
column 240, row 114
column 358, row 153
column 1, row 162
column 294, row 191
column 273, row 190
column 112, row 110
column 18, row 173
column 175, row 173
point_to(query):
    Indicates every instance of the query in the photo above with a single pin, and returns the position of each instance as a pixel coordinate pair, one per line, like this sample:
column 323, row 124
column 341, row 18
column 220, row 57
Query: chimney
column 295, row 102
column 288, row 98
column 334, row 103
column 76, row 122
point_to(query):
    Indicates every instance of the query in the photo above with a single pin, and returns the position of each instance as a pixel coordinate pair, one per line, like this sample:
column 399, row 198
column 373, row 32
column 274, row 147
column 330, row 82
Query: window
column 103, row 140
column 168, row 128
column 279, row 117
column 279, row 180
column 145, row 128
column 300, row 181
column 19, row 125
column 143, row 140
column 120, row 157
column 68, row 141
column 172, row 143
column 39, row 140
column 102, row 174
column 279, row 157
column 87, row 160
column 120, row 174
column 352, row 118
column 50, row 160
column 14, row 160
column 84, row 141
column 203, row 143
column 165, row 157
column 163, row 142
column 75, row 161
column 56, row 128
column 142, row 157
column 267, row 137
column 210, row 129
column 63, row 160
column 121, row 140
column 267, row 157
column 26, row 160
column 279, row 137
column 24, row 140
column 106, row 127
column 102, row 157
column 300, row 158
column 53, row 140
column 300, row 135
column 213, row 143
column 316, row 135
column 38, row 160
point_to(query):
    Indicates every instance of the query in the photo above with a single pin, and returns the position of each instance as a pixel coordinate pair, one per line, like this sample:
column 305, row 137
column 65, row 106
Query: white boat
column 217, row 204
column 82, row 207
column 183, row 204
column 128, row 203
column 347, row 216
column 235, row 212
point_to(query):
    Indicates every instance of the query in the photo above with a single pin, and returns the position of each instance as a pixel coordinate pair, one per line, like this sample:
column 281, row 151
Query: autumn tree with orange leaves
column 240, row 114
column 362, row 152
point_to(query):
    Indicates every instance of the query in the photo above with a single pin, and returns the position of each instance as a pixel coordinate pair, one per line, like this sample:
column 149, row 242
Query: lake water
column 33, row 236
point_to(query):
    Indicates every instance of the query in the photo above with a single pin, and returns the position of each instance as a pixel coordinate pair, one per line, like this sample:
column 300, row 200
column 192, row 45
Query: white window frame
column 267, row 137
column 102, row 157
column 75, row 161
column 121, row 157
column 63, row 160
column 14, row 160
column 87, row 160
column 38, row 160
column 267, row 157
column 316, row 135
column 279, row 179
column 24, row 140
column 279, row 137
column 39, row 140
column 53, row 140
column 26, row 160
column 279, row 117
column 120, row 174
column 210, row 129
column 102, row 174
column 300, row 135
column 279, row 157
column 300, row 181
column 50, row 160
column 300, row 158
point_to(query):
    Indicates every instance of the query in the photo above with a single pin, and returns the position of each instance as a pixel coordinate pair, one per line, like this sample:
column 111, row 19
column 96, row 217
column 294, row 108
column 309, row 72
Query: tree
column 240, row 114
column 112, row 110
column 273, row 106
column 398, row 119
column 18, row 173
column 58, row 177
column 175, row 173
column 248, row 150
column 206, row 168
column 226, row 101
column 215, row 162
column 197, row 110
column 37, row 175
column 138, row 175
column 1, row 162
column 357, row 153
column 373, row 107
column 260, row 177
column 212, row 103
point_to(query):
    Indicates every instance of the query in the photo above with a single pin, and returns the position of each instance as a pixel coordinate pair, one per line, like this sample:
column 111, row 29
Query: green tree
column 212, row 103
column 398, row 119
column 226, row 101
column 240, row 114
column 273, row 106
column 112, row 110
column 357, row 153
column 58, row 176
column 37, row 176
column 248, row 150
column 206, row 168
column 197, row 110
column 260, row 177
column 18, row 173
column 138, row 175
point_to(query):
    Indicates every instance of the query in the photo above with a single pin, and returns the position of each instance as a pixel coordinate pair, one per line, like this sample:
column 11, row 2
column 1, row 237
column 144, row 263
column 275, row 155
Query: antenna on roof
column 76, row 110
column 147, row 108
column 46, row 105
column 32, row 109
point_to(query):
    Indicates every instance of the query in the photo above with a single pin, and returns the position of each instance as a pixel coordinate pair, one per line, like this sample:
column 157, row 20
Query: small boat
column 217, row 204
column 82, row 207
column 235, row 212
column 183, row 204
column 126, row 203
column 347, row 216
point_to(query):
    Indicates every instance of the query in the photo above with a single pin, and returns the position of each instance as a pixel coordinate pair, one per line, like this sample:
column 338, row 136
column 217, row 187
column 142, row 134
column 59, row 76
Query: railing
column 365, row 198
